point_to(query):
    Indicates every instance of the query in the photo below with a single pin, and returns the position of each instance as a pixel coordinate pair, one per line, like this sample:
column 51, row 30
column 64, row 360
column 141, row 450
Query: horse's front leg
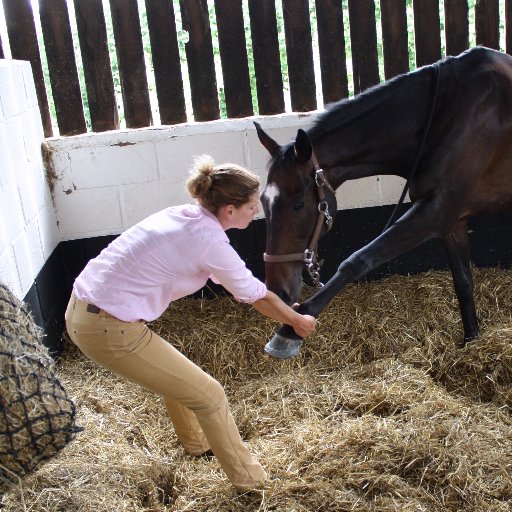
column 419, row 224
column 456, row 244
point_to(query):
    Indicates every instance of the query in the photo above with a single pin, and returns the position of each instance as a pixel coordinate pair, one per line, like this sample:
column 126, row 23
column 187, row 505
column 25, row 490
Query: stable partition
column 63, row 200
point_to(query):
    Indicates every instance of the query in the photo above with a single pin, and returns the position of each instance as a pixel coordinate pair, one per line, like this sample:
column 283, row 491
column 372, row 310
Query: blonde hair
column 215, row 186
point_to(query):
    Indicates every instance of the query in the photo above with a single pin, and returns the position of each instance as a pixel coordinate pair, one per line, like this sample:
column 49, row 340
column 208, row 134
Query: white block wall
column 108, row 182
column 28, row 230
column 104, row 183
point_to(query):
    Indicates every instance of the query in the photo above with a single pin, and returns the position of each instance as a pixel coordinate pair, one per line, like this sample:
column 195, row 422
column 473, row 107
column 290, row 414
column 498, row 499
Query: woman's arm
column 230, row 270
column 273, row 307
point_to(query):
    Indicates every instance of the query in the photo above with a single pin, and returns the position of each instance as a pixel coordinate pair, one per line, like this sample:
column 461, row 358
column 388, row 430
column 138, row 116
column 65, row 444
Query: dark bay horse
column 445, row 128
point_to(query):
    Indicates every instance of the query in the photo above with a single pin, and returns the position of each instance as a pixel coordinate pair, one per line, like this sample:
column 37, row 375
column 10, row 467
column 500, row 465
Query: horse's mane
column 345, row 111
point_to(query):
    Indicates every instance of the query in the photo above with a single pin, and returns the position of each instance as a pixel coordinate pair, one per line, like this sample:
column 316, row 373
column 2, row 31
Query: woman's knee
column 216, row 396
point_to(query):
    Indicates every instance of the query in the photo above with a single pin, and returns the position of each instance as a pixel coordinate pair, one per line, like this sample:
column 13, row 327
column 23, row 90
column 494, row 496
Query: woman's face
column 243, row 215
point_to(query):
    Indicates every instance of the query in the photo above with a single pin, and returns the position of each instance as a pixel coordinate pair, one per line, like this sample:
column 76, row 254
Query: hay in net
column 37, row 419
column 379, row 412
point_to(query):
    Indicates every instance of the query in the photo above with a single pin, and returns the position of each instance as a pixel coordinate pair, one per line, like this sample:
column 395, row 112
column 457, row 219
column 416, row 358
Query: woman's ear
column 228, row 209
column 225, row 214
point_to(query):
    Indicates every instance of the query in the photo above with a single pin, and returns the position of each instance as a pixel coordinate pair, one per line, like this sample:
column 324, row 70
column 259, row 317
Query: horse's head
column 298, row 204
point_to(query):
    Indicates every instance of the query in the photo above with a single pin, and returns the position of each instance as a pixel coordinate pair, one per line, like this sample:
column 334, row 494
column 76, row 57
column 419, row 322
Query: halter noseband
column 309, row 256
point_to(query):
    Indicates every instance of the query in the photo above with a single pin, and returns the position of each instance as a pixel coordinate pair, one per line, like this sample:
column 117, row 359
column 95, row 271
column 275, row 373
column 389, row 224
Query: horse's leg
column 421, row 223
column 456, row 244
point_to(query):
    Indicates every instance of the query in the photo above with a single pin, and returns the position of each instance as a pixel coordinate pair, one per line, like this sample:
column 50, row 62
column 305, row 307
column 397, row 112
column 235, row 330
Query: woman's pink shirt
column 168, row 255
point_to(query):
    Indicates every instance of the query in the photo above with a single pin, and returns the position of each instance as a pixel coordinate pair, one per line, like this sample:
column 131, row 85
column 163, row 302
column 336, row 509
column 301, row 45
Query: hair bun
column 216, row 186
column 201, row 180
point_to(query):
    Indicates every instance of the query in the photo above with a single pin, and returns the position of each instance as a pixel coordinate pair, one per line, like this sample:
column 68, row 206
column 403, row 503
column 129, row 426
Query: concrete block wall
column 106, row 182
column 28, row 228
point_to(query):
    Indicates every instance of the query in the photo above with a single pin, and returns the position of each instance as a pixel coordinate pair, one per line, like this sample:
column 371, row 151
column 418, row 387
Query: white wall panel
column 27, row 214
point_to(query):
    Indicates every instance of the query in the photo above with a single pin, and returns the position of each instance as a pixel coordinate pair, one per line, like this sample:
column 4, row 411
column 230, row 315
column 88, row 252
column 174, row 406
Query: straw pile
column 380, row 411
column 36, row 416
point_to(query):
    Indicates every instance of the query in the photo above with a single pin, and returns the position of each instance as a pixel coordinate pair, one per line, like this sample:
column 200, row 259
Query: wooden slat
column 21, row 30
column 58, row 43
column 166, row 61
column 508, row 26
column 299, row 52
column 162, row 26
column 130, row 61
column 394, row 37
column 233, row 55
column 92, row 34
column 201, row 66
column 456, row 26
column 267, row 62
column 487, row 23
column 331, row 46
column 427, row 31
column 363, row 36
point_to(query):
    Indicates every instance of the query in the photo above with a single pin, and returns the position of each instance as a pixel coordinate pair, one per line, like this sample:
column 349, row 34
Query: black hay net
column 37, row 418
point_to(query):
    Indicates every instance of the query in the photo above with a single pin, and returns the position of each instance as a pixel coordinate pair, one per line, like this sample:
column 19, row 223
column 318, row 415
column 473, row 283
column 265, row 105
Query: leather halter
column 309, row 256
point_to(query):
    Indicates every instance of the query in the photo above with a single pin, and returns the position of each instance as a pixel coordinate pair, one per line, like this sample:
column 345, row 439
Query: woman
column 167, row 256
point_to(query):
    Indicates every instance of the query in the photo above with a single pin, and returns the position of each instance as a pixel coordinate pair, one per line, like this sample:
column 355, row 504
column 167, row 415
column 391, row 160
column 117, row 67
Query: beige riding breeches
column 195, row 401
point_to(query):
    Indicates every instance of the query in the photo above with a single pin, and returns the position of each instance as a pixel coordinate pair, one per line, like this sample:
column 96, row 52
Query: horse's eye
column 299, row 205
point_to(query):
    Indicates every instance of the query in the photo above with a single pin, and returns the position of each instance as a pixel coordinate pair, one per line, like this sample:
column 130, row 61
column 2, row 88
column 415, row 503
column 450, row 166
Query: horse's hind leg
column 456, row 244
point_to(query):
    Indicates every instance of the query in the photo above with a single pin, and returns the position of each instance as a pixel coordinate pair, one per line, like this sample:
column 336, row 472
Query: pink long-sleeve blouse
column 168, row 255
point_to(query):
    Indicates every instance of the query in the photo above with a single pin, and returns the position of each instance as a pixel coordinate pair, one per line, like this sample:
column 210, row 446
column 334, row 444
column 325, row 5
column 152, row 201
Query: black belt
column 91, row 308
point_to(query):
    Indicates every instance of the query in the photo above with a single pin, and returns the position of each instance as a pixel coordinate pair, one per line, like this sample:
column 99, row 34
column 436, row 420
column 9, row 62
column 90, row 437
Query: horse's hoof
column 283, row 348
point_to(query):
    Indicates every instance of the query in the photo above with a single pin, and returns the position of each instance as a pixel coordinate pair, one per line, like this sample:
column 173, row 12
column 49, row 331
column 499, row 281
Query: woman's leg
column 135, row 352
column 187, row 427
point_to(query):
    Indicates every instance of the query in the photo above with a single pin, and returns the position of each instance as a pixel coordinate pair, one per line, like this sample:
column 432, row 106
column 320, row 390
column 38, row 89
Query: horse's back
column 487, row 78
column 483, row 56
column 492, row 67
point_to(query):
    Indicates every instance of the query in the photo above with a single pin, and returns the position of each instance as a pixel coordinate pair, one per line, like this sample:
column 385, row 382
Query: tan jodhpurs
column 195, row 401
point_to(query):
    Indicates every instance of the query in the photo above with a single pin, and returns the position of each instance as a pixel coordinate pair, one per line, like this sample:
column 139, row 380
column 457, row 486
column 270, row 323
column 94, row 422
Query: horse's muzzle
column 283, row 348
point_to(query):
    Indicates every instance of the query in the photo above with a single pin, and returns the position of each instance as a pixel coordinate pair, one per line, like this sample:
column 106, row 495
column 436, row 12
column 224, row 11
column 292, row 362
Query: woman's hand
column 305, row 325
column 273, row 307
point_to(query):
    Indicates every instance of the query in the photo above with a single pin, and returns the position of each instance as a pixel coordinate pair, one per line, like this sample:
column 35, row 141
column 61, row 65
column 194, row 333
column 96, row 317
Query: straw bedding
column 380, row 411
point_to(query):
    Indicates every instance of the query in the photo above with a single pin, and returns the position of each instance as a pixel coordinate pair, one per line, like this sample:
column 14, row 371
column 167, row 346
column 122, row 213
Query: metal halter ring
column 323, row 207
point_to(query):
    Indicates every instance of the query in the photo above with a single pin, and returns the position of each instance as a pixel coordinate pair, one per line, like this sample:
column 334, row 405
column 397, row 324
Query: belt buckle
column 91, row 308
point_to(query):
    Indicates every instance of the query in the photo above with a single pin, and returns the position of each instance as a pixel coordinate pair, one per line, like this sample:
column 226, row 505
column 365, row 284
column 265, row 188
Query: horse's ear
column 303, row 147
column 270, row 144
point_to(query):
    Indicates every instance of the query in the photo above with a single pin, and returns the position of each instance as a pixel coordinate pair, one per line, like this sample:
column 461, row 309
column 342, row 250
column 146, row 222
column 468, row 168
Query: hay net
column 37, row 419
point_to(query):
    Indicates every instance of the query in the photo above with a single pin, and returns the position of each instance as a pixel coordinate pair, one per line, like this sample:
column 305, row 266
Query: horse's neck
column 366, row 160
column 377, row 139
